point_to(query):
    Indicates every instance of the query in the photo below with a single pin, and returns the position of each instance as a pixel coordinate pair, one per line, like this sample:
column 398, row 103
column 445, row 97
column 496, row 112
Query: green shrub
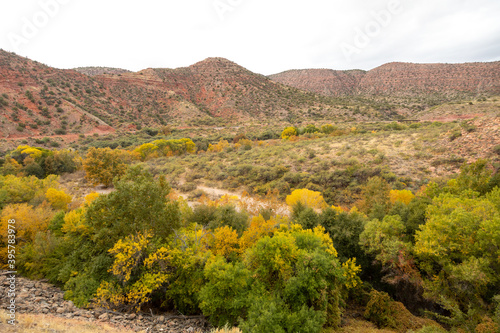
column 203, row 215
column 228, row 216
column 224, row 298
column 455, row 134
column 429, row 329
column 272, row 315
column 188, row 187
column 379, row 310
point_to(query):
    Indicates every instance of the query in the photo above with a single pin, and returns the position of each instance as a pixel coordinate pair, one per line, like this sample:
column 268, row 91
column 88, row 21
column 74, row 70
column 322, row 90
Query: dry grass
column 226, row 329
column 359, row 326
column 37, row 323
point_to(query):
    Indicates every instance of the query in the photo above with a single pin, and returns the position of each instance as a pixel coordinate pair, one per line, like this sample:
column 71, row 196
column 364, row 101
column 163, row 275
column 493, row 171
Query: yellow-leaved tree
column 59, row 200
column 102, row 165
column 224, row 241
column 306, row 197
column 289, row 132
column 404, row 196
column 26, row 220
column 259, row 228
column 218, row 147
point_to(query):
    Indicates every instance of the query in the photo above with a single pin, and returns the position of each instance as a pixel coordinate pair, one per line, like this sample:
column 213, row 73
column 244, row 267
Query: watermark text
column 32, row 25
column 363, row 36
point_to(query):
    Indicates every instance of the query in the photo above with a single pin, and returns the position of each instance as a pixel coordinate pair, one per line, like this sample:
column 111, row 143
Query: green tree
column 474, row 176
column 375, row 200
column 459, row 249
column 139, row 205
column 224, row 298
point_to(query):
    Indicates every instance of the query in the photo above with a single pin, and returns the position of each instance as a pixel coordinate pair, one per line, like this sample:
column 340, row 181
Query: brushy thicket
column 139, row 247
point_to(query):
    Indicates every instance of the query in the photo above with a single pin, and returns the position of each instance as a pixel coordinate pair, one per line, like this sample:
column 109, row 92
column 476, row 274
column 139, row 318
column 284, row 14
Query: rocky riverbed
column 43, row 298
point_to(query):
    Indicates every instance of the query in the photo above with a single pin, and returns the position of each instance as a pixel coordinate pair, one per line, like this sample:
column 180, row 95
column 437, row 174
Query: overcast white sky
column 265, row 36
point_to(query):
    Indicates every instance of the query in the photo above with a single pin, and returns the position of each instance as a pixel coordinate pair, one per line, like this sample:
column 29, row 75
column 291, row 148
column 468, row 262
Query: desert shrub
column 310, row 129
column 188, row 187
column 146, row 151
column 455, row 134
column 219, row 147
column 150, row 131
column 394, row 126
column 196, row 194
column 328, row 129
column 487, row 325
column 34, row 169
column 468, row 127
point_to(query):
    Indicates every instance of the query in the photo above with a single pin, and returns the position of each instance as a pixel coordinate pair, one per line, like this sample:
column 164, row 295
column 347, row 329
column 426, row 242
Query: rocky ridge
column 44, row 298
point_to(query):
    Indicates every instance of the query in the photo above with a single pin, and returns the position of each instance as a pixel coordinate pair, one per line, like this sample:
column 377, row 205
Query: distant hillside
column 93, row 71
column 399, row 79
column 37, row 100
column 327, row 82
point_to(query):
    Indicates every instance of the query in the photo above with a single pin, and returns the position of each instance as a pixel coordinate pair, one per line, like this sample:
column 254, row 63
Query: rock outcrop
column 41, row 297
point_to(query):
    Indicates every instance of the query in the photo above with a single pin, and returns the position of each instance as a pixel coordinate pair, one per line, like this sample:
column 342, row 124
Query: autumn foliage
column 102, row 165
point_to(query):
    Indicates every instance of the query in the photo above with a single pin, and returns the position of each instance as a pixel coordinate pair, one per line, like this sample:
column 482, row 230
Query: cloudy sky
column 265, row 36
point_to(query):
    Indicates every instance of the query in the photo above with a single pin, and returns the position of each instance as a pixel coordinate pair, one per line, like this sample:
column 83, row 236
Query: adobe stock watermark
column 223, row 7
column 32, row 25
column 372, row 29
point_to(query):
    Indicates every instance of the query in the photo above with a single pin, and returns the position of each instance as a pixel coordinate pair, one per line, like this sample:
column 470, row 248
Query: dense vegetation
column 353, row 234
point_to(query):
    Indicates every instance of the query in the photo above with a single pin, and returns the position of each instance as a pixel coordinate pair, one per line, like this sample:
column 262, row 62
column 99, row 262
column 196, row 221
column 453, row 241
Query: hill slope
column 38, row 100
column 399, row 79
